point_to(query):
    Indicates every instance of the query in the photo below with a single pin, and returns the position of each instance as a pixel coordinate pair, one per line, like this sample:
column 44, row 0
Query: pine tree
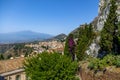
column 108, row 34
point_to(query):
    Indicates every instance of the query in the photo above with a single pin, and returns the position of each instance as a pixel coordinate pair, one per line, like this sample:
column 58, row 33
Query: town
column 48, row 46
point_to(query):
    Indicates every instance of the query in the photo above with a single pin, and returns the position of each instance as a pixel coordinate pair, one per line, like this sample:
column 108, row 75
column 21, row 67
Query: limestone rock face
column 103, row 11
column 94, row 48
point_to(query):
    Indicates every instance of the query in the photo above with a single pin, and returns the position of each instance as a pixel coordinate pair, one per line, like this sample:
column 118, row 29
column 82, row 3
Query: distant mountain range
column 22, row 36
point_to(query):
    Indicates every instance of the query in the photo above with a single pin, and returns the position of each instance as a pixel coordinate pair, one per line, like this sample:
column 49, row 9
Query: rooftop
column 10, row 65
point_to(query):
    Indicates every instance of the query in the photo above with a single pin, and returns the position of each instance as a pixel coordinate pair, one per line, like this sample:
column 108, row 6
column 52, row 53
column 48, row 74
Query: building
column 12, row 69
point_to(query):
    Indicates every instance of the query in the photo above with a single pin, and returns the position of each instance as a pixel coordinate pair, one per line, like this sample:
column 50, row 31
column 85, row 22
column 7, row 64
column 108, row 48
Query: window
column 18, row 77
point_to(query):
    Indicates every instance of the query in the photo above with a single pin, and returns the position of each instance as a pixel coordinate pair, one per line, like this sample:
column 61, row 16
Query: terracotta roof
column 10, row 65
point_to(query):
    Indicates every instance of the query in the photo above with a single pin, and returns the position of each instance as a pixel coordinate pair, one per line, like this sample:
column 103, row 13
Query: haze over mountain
column 22, row 36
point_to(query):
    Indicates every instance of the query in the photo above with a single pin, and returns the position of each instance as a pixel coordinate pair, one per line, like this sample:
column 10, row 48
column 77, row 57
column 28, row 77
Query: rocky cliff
column 103, row 11
column 109, row 72
column 98, row 24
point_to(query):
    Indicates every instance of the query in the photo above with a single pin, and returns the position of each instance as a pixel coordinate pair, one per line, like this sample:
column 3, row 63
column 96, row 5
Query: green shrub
column 100, row 64
column 110, row 59
column 97, row 64
column 50, row 67
column 94, row 64
column 117, row 61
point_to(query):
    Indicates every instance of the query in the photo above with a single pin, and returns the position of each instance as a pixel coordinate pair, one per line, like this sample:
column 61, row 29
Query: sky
column 46, row 16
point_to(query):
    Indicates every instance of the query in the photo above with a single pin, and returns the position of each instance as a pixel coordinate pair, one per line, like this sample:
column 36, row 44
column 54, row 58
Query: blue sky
column 46, row 16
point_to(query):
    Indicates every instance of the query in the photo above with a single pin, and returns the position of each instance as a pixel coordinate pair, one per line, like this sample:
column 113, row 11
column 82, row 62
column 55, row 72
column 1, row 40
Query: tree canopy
column 1, row 57
column 52, row 66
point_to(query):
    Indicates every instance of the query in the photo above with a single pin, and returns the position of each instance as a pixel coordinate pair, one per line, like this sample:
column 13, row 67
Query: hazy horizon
column 46, row 16
column 25, row 31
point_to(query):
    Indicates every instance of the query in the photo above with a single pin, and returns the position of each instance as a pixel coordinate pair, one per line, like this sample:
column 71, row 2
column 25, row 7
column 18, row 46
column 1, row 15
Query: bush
column 94, row 64
column 110, row 59
column 100, row 64
column 50, row 67
column 97, row 64
column 117, row 61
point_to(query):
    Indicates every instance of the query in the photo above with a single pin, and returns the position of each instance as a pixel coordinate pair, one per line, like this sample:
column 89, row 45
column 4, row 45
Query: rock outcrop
column 98, row 24
column 103, row 11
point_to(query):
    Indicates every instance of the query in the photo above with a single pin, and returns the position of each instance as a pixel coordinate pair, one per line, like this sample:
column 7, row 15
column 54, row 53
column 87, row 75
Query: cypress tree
column 84, row 40
column 81, row 43
column 108, row 39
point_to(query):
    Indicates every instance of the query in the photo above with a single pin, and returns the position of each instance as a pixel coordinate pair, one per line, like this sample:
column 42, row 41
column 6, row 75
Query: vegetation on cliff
column 85, row 38
column 109, row 41
column 101, row 64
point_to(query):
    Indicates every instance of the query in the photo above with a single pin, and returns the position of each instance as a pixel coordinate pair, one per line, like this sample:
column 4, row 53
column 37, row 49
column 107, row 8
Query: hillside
column 59, row 37
column 76, row 31
column 14, row 50
column 97, row 24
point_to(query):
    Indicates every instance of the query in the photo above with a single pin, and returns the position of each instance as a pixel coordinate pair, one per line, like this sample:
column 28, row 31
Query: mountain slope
column 59, row 37
column 22, row 36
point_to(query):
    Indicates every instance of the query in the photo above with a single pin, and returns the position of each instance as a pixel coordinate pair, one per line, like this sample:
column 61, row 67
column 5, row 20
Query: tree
column 84, row 40
column 1, row 57
column 118, row 38
column 52, row 66
column 66, row 49
column 108, row 41
column 70, row 47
